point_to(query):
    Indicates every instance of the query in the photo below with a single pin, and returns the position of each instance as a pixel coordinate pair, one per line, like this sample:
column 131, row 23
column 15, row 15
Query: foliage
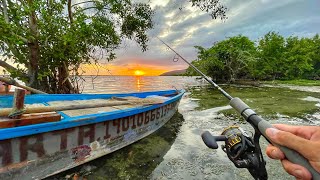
column 273, row 57
column 298, row 57
column 315, row 56
column 271, row 60
column 216, row 9
column 50, row 39
column 227, row 60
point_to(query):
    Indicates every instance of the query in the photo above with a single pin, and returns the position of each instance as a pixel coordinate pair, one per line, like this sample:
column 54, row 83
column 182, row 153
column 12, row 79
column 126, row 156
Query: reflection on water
column 124, row 84
column 138, row 160
column 138, row 83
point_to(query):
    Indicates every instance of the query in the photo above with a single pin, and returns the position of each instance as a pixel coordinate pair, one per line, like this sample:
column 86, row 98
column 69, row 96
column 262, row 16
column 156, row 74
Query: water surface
column 176, row 151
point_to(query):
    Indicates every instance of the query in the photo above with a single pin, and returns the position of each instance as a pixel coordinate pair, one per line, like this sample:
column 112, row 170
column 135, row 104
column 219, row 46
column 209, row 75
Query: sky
column 189, row 27
column 183, row 27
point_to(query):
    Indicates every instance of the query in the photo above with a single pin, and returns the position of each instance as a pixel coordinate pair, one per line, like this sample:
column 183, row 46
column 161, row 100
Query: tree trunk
column 64, row 84
column 33, row 66
column 34, row 50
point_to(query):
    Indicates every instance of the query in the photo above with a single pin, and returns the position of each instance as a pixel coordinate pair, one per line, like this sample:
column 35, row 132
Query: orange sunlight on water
column 128, row 70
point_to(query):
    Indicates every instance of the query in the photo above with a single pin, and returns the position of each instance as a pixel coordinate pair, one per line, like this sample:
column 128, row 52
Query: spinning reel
column 243, row 150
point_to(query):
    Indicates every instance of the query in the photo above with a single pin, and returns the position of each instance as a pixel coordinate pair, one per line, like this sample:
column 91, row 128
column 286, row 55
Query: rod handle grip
column 291, row 155
column 262, row 125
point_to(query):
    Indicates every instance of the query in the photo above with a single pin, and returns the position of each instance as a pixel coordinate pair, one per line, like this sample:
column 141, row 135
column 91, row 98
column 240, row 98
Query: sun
column 138, row 73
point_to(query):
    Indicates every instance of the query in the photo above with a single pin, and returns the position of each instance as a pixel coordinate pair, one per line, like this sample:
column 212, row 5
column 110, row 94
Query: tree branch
column 87, row 8
column 93, row 7
column 5, row 11
column 10, row 68
column 70, row 11
column 7, row 66
column 76, row 4
column 15, row 51
column 25, row 40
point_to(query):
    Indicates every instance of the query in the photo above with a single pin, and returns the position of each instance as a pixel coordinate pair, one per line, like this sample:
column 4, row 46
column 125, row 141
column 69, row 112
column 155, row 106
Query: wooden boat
column 4, row 88
column 38, row 145
column 7, row 89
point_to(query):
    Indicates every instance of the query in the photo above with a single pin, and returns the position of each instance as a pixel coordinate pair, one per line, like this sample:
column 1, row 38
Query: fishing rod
column 203, row 75
column 244, row 151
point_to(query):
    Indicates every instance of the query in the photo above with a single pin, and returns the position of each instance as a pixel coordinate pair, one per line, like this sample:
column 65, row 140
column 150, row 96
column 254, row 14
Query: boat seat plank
column 74, row 102
column 29, row 119
column 97, row 110
column 136, row 102
column 35, row 105
column 90, row 106
column 82, row 112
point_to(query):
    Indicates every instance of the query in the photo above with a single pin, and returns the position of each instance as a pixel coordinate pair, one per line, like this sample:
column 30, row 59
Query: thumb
column 301, row 145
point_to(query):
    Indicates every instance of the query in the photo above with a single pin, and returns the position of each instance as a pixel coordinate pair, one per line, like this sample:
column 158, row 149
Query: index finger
column 302, row 131
column 303, row 146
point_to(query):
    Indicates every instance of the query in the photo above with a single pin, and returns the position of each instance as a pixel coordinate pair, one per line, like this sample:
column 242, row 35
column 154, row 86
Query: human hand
column 303, row 139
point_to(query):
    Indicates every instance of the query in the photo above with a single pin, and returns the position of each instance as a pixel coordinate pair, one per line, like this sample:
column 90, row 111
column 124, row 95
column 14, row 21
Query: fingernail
column 271, row 132
column 275, row 154
column 298, row 174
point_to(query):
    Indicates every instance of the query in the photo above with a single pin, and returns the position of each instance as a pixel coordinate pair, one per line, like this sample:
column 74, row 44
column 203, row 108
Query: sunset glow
column 128, row 70
column 138, row 73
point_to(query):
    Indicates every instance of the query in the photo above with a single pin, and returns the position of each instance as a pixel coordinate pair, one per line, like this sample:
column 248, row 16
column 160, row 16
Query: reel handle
column 262, row 125
column 211, row 141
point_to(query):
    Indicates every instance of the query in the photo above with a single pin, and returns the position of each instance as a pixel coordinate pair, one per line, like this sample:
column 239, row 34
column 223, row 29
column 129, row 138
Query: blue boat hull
column 41, row 150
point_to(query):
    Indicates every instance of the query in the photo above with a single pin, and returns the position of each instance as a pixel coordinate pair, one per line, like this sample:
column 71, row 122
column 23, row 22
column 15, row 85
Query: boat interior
column 87, row 107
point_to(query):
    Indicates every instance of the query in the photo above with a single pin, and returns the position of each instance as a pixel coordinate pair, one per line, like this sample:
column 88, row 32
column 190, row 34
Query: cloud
column 184, row 27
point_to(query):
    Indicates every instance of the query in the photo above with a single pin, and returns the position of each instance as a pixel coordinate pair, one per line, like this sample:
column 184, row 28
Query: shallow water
column 176, row 151
column 124, row 84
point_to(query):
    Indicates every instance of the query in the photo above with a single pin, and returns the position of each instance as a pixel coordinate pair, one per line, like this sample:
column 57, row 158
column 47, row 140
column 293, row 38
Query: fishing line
column 203, row 75
column 175, row 58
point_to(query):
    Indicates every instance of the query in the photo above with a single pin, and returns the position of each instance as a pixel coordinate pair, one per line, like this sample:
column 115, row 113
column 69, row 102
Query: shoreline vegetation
column 273, row 57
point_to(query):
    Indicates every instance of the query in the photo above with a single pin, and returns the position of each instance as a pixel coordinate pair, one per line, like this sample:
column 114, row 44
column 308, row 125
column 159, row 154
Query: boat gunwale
column 90, row 96
column 70, row 122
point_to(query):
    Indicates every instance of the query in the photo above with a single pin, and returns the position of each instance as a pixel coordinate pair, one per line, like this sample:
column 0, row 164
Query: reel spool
column 244, row 151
